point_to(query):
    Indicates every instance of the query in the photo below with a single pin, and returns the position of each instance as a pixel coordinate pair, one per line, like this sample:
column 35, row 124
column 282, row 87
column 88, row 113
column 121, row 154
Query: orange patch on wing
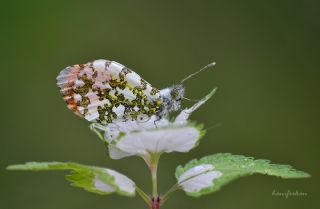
column 68, row 89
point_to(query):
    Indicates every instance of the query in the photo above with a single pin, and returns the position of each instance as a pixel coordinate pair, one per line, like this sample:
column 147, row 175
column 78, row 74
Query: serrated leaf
column 210, row 173
column 91, row 178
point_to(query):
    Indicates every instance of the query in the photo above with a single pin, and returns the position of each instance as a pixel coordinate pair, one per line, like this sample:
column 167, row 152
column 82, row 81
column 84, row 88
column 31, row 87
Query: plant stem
column 154, row 183
column 144, row 196
column 169, row 192
column 153, row 169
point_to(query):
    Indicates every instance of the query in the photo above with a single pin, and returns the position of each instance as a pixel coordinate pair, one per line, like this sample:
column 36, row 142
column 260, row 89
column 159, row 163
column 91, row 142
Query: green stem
column 153, row 169
column 144, row 196
column 166, row 196
column 176, row 187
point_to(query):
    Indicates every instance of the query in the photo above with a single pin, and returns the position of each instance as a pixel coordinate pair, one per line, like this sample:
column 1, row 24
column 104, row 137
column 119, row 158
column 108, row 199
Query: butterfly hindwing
column 105, row 91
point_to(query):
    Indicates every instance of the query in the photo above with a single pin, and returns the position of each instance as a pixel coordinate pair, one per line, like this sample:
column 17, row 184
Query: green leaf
column 210, row 173
column 93, row 179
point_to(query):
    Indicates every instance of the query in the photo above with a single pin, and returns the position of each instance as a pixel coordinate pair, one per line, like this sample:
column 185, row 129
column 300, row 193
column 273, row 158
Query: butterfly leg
column 98, row 129
column 155, row 121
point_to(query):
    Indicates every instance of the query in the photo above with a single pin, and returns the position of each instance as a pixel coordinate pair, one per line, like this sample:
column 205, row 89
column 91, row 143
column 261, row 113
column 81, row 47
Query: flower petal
column 116, row 153
column 170, row 139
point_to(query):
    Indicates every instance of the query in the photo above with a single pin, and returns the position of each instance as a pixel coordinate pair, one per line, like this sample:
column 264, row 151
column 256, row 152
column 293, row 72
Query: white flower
column 159, row 140
column 152, row 136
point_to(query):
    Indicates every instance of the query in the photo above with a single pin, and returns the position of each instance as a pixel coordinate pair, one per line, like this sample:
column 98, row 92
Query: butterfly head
column 177, row 92
column 176, row 95
column 172, row 97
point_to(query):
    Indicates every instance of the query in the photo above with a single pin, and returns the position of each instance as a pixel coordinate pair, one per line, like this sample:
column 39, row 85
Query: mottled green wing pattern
column 105, row 91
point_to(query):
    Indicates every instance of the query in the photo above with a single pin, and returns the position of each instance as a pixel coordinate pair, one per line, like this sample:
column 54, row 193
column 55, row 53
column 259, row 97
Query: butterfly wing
column 105, row 91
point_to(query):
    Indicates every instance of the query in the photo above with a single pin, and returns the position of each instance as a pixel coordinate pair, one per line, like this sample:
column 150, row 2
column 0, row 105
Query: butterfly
column 105, row 91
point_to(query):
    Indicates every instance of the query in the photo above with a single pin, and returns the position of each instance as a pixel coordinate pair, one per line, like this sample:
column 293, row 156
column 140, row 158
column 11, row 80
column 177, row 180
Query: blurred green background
column 267, row 105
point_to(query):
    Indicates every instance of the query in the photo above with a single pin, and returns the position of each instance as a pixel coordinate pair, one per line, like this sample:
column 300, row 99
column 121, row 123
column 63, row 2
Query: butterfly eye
column 142, row 118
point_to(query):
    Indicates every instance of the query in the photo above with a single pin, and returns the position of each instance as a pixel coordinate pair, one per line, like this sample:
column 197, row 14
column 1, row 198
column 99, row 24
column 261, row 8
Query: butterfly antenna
column 195, row 73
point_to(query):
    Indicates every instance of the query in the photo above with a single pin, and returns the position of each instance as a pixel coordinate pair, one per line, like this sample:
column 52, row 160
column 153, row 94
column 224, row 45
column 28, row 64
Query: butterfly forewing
column 105, row 91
